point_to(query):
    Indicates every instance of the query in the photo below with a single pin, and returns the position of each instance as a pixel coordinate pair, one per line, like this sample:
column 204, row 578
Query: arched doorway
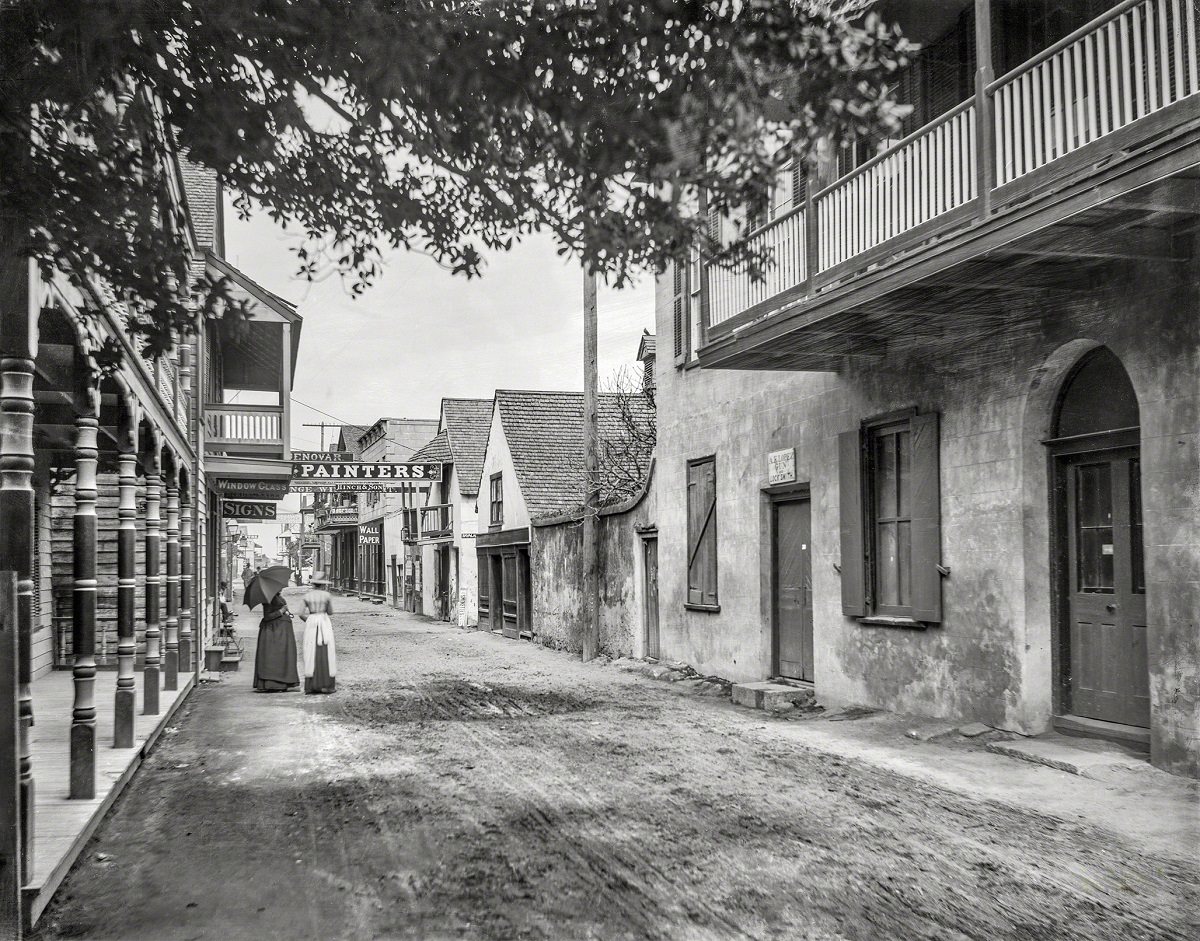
column 1101, row 612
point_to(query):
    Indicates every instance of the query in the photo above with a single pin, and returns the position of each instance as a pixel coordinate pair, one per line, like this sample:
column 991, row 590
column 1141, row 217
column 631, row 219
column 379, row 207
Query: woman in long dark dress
column 275, row 658
column 320, row 655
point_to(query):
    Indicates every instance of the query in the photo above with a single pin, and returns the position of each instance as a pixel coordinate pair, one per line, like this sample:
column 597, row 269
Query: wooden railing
column 732, row 290
column 918, row 179
column 437, row 521
column 1134, row 60
column 253, row 425
column 1126, row 65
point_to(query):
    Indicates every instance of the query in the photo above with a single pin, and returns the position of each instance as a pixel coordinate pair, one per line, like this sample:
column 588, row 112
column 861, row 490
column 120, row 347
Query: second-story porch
column 1081, row 154
column 436, row 523
column 250, row 368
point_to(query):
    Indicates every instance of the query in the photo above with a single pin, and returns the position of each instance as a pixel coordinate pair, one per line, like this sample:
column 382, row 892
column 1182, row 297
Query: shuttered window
column 679, row 306
column 702, row 532
column 891, row 519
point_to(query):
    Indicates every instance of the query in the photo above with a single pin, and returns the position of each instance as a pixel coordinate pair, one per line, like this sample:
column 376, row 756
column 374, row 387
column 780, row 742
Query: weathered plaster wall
column 991, row 658
column 466, row 528
column 556, row 576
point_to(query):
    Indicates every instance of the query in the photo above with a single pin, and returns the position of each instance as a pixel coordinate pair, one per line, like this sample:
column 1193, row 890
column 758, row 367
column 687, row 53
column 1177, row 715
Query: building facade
column 944, row 459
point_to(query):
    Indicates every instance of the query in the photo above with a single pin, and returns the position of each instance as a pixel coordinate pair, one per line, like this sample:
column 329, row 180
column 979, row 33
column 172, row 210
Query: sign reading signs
column 781, row 467
column 339, row 456
column 328, row 474
column 266, row 488
column 247, row 510
column 370, row 534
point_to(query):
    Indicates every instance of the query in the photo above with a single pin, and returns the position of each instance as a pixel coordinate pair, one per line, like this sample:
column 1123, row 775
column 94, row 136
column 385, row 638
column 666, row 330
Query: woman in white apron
column 320, row 656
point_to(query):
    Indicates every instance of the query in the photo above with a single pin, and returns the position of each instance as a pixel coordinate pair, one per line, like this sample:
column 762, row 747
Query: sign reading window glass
column 781, row 467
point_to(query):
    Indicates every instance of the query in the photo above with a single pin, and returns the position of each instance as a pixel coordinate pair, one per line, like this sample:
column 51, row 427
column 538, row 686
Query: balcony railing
column 335, row 516
column 1133, row 61
column 437, row 522
column 245, row 428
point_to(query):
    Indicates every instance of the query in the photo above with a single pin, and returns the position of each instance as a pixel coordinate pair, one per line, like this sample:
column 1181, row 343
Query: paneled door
column 793, row 589
column 1107, row 673
column 650, row 559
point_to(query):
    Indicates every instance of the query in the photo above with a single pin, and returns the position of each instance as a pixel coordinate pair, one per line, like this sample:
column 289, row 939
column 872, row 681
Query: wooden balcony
column 1060, row 159
column 437, row 523
column 245, row 430
column 329, row 518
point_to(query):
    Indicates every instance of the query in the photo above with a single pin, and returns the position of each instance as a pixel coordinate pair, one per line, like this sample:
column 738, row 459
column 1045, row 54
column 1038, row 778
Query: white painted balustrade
column 732, row 290
column 250, row 424
column 1133, row 61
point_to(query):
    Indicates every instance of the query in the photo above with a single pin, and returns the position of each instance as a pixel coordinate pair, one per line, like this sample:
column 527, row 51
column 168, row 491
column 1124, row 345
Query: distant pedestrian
column 275, row 657
column 247, row 574
column 320, row 654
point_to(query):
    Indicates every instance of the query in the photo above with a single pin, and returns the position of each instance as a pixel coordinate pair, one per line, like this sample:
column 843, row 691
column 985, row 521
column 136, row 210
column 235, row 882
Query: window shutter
column 680, row 310
column 926, row 521
column 854, row 566
column 710, row 533
column 702, row 533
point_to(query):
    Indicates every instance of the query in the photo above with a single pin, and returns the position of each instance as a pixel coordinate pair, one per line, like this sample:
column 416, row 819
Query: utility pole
column 322, row 425
column 591, row 476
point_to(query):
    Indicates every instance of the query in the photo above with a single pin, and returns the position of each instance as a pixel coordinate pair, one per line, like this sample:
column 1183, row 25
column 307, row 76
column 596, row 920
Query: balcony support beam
column 285, row 390
column 985, row 128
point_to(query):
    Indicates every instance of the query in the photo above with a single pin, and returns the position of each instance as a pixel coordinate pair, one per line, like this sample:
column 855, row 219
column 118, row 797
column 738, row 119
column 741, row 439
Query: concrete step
column 771, row 696
column 1088, row 758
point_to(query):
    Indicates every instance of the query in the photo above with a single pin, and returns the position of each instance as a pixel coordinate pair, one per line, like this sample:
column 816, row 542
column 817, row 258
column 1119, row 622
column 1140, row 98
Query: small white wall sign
column 781, row 467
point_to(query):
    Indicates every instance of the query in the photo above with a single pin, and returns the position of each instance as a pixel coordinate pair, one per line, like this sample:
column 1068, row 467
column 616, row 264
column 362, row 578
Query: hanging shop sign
column 370, row 534
column 266, row 488
column 248, row 510
column 323, row 456
column 356, row 486
column 781, row 467
column 330, row 473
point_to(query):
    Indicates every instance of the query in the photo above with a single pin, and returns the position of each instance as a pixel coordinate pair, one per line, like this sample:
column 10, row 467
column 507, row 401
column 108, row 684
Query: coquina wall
column 991, row 658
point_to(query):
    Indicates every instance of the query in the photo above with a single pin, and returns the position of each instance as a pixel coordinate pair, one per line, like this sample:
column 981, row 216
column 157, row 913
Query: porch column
column 153, row 580
column 19, row 307
column 83, row 609
column 186, row 579
column 171, row 660
column 126, row 696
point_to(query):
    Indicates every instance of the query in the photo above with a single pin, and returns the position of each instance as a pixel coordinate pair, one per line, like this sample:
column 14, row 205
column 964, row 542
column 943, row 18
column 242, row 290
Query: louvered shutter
column 680, row 311
column 926, row 521
column 854, row 560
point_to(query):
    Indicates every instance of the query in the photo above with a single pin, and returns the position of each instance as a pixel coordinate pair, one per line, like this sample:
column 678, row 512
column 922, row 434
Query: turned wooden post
column 19, row 307
column 171, row 634
column 126, row 696
column 83, row 611
column 186, row 577
column 152, row 681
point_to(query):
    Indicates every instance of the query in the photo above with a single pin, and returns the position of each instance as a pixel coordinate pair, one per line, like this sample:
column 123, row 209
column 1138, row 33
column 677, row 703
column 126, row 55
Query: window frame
column 873, row 431
column 496, row 499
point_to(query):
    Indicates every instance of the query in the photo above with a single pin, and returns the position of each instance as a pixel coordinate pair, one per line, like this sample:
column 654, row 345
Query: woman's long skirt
column 275, row 656
column 320, row 656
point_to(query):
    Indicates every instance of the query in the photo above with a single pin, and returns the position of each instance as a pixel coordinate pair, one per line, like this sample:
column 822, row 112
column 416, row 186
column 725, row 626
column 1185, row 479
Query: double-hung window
column 891, row 519
column 702, row 533
column 496, row 496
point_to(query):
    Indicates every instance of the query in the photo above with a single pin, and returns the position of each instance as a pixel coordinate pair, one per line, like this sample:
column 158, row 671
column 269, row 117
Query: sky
column 421, row 333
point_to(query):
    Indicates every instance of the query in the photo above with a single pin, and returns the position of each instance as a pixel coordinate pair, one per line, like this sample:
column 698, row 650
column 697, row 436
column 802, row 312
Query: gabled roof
column 466, row 424
column 544, row 431
column 273, row 307
column 348, row 438
column 436, row 451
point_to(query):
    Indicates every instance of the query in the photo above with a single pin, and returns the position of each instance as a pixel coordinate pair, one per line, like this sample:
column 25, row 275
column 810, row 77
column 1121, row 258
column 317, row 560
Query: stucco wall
column 991, row 657
column 556, row 576
column 498, row 459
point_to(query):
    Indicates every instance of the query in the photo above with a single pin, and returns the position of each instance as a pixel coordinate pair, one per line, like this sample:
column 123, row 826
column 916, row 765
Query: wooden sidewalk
column 62, row 827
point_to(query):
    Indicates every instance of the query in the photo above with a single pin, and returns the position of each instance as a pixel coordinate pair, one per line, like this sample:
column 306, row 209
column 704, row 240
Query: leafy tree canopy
column 440, row 126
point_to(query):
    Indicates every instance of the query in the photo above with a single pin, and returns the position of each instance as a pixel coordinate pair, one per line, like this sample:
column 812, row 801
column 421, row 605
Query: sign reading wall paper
column 370, row 534
column 248, row 510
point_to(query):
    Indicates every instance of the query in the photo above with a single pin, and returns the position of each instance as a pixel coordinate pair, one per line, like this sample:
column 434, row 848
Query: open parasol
column 266, row 585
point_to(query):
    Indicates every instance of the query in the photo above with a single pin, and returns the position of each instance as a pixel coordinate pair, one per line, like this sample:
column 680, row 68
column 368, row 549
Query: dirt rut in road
column 463, row 786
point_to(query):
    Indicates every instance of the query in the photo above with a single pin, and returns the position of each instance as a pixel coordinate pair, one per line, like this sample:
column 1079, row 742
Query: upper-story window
column 496, row 497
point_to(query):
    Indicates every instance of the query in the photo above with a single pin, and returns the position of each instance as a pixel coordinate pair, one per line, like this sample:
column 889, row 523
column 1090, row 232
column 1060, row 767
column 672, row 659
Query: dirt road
column 459, row 785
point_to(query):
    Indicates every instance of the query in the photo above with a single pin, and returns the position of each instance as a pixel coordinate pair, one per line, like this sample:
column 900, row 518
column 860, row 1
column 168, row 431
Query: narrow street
column 459, row 785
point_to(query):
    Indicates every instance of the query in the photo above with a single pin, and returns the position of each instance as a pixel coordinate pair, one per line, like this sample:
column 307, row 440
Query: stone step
column 771, row 696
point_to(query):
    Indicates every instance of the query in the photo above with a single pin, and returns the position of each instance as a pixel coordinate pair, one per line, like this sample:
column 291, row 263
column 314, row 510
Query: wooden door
column 509, row 593
column 1107, row 672
column 484, row 570
column 793, row 589
column 650, row 559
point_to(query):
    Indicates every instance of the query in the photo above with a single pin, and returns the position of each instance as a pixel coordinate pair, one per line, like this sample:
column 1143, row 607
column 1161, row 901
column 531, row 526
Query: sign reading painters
column 781, row 467
column 248, row 510
column 329, row 475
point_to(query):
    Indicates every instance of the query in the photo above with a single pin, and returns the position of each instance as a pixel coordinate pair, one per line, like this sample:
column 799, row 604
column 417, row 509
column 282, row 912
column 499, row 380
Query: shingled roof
column 467, row 423
column 437, row 451
column 349, row 436
column 203, row 198
column 544, row 431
